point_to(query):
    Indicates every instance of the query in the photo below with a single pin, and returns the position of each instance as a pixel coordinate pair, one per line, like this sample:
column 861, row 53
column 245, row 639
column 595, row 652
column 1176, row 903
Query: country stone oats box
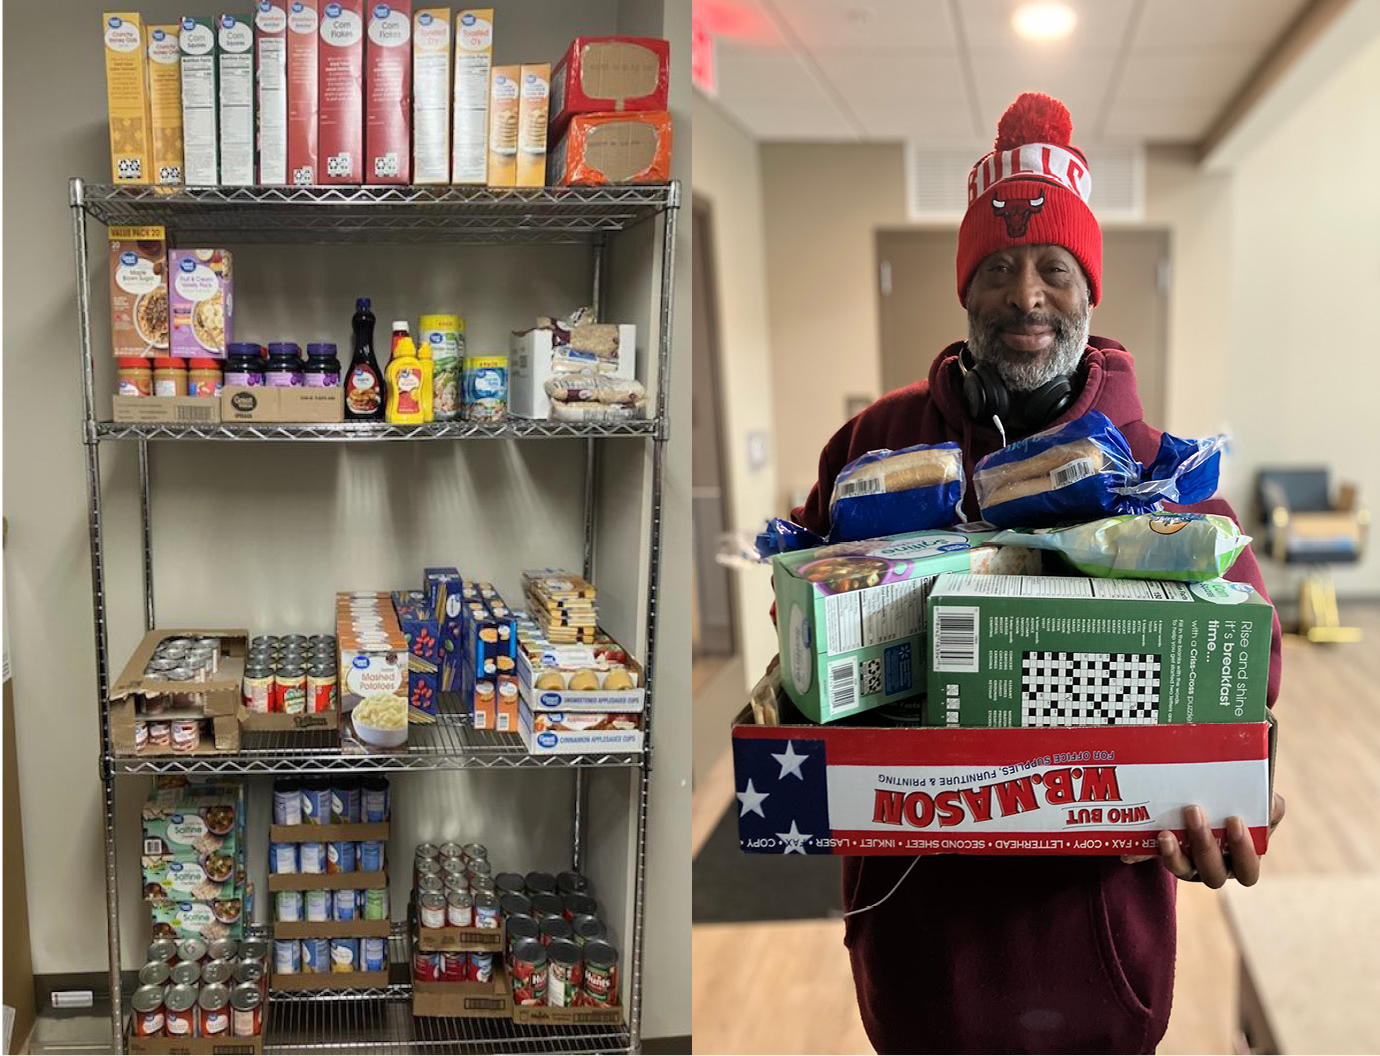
column 431, row 95
column 474, row 49
column 504, row 108
column 610, row 74
column 201, row 298
column 138, row 291
column 127, row 98
column 270, row 63
column 235, row 42
column 534, row 92
column 200, row 102
column 388, row 90
column 341, row 88
column 165, row 102
column 302, row 59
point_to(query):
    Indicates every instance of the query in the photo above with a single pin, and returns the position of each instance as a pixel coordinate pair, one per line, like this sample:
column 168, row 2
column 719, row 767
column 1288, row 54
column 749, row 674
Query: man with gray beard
column 953, row 953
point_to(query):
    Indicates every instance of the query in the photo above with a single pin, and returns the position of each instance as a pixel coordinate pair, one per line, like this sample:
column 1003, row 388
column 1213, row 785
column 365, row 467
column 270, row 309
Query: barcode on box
column 956, row 638
column 153, row 846
column 860, row 486
column 1070, row 473
column 194, row 414
column 843, row 685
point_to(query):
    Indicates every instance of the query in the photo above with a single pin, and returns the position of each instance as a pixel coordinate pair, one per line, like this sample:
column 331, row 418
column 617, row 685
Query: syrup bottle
column 365, row 396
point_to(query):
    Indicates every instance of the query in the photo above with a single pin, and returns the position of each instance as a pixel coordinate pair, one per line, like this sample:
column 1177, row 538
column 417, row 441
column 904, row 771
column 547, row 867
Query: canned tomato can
column 450, row 850
column 374, row 800
column 426, row 967
column 311, row 857
column 601, row 973
column 564, row 974
column 316, row 803
column 340, row 856
column 290, row 688
column 345, row 800
column 255, row 949
column 316, row 955
column 586, row 929
column 485, row 910
column 345, row 905
column 317, row 906
column 179, row 1011
column 191, row 949
column 509, row 883
column 287, row 802
column 481, row 967
column 571, row 883
column 147, row 1003
column 159, row 734
column 376, row 903
column 540, row 884
column 547, row 905
column 554, row 929
column 287, row 907
column 426, row 867
column 431, row 911
column 454, row 966
column 321, row 686
column 580, row 906
column 246, row 1010
column 214, row 1003
column 374, row 953
column 216, row 972
column 515, row 905
column 476, row 852
column 249, row 970
column 287, row 957
column 459, row 910
column 282, row 857
column 163, row 950
column 222, row 949
column 370, row 856
column 529, row 973
column 344, row 955
column 155, row 973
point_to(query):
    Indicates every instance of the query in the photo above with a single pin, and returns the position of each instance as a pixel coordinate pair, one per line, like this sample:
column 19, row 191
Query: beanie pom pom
column 1034, row 118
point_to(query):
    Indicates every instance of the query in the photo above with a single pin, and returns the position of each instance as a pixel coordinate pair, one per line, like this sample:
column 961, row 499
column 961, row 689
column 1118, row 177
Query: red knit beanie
column 1032, row 189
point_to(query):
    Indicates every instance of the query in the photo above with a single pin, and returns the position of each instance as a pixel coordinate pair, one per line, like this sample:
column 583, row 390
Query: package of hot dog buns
column 914, row 489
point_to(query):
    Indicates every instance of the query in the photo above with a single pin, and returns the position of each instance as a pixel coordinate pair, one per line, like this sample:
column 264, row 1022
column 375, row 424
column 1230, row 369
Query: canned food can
column 450, row 851
column 345, row 801
column 374, row 953
column 321, row 685
column 316, row 803
column 287, row 907
column 344, row 955
column 540, row 884
column 222, row 949
column 370, row 856
column 155, row 973
column 455, row 882
column 250, row 970
column 246, row 1010
column 147, row 1003
column 508, row 884
column 431, row 911
column 426, row 851
column 454, row 965
column 485, row 910
column 311, row 857
column 478, row 867
column 317, row 906
column 282, row 857
column 321, row 639
column 191, row 950
column 554, row 929
column 601, row 973
column 430, row 885
column 376, row 903
column 586, row 929
column 476, row 852
column 518, row 927
column 214, row 1005
column 515, row 905
column 345, row 905
column 426, row 867
column 263, row 641
column 481, row 968
column 340, row 856
column 564, row 974
column 529, row 972
column 426, row 967
column 179, row 1011
column 299, row 640
column 571, row 883
column 163, row 950
column 290, row 687
column 374, row 800
column 216, row 972
column 483, row 885
column 255, row 949
column 159, row 734
column 580, row 906
column 287, row 802
column 287, row 956
column 547, row 905
column 185, row 735
column 316, row 955
column 459, row 910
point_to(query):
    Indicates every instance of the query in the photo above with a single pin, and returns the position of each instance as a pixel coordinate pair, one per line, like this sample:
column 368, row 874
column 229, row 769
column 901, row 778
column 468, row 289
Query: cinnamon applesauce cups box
column 201, row 299
column 341, row 87
column 138, row 291
column 431, row 95
column 388, row 88
column 474, row 51
column 127, row 98
column 302, row 59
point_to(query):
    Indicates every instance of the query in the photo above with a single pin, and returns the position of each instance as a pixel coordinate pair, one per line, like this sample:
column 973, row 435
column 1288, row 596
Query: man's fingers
column 1136, row 859
column 1276, row 812
column 1203, row 848
column 1173, row 856
column 1245, row 863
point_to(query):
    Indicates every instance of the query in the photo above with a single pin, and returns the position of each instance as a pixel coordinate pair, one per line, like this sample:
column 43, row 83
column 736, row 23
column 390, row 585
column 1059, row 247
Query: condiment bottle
column 405, row 399
column 323, row 368
column 428, row 382
column 364, row 387
column 400, row 331
column 284, row 365
column 169, row 377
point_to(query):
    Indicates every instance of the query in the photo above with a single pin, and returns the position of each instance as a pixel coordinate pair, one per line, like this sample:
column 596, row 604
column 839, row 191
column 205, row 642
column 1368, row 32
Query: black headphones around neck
column 985, row 395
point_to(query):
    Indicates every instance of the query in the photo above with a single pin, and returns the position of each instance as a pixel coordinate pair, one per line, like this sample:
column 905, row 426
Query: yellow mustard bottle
column 428, row 382
column 405, row 385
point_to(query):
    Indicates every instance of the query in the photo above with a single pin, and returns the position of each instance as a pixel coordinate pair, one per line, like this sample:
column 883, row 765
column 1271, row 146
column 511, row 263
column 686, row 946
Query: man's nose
column 1027, row 291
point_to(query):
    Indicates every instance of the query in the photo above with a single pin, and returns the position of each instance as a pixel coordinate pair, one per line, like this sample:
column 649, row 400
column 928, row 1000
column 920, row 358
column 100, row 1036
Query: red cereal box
column 388, row 111
column 602, row 74
column 302, row 58
column 341, row 88
column 270, row 66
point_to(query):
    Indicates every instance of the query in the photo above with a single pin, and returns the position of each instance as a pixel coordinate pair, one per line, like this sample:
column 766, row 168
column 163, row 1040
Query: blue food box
column 443, row 591
column 423, row 634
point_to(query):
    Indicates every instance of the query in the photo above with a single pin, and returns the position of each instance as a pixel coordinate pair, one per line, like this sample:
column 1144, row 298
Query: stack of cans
column 342, row 955
column 453, row 886
column 192, row 989
column 555, row 943
column 291, row 674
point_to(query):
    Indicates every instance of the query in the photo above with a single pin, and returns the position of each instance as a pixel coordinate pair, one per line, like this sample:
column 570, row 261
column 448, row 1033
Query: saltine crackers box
column 270, row 62
column 235, row 40
column 1067, row 651
column 341, row 88
column 302, row 59
column 200, row 102
column 431, row 95
column 127, row 98
column 388, row 93
column 474, row 52
column 165, row 103
column 534, row 95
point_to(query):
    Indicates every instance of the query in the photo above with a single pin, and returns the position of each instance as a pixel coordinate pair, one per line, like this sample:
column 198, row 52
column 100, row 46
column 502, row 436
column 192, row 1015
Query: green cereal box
column 1068, row 651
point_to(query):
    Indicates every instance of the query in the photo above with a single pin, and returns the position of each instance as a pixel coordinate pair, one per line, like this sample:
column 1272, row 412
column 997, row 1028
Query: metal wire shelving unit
column 381, row 1021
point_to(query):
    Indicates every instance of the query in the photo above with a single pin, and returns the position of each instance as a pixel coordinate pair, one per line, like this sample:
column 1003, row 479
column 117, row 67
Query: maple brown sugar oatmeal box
column 138, row 291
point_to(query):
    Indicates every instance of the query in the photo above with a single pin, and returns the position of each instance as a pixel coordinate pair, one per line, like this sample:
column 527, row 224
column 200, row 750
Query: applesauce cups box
column 138, row 291
column 388, row 87
column 534, row 95
column 165, row 103
column 302, row 59
column 341, row 92
column 505, row 105
column 610, row 74
column 431, row 95
column 270, row 64
column 127, row 98
column 235, row 41
column 474, row 52
column 201, row 299
column 200, row 102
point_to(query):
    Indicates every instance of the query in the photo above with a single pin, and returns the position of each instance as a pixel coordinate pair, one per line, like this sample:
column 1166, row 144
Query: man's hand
column 1204, row 859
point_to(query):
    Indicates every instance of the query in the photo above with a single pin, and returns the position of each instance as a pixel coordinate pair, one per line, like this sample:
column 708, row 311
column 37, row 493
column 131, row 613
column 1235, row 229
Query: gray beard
column 1027, row 371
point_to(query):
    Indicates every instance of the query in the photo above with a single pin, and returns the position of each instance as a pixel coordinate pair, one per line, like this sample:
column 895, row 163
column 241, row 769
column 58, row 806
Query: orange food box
column 601, row 149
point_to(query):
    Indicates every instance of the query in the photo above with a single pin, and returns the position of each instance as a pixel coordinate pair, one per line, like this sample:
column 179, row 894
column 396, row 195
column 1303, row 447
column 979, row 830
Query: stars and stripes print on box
column 1073, row 790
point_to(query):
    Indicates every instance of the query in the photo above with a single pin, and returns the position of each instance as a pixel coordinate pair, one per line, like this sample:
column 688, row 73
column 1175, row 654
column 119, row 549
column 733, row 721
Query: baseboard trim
column 677, row 1045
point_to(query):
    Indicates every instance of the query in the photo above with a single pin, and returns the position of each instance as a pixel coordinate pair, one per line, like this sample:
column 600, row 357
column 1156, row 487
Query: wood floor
column 786, row 987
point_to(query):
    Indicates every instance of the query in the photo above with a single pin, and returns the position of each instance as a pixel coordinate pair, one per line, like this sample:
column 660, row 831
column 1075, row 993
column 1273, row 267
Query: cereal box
column 388, row 84
column 138, row 291
column 341, row 88
column 200, row 102
column 235, row 41
column 431, row 95
column 504, row 109
column 610, row 74
column 127, row 98
column 201, row 299
column 534, row 93
column 302, row 59
column 165, row 102
column 474, row 50
column 270, row 62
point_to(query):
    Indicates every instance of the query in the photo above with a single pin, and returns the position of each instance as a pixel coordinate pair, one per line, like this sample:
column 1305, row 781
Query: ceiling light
column 1044, row 21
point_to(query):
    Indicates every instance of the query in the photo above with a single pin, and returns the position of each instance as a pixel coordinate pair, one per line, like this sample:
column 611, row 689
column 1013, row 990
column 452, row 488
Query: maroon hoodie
column 1019, row 954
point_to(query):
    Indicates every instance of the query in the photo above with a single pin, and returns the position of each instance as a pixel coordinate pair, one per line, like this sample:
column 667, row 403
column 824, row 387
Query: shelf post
column 146, row 520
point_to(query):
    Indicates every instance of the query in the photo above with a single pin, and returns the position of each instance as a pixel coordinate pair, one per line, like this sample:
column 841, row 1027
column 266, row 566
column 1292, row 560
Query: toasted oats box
column 201, row 301
column 431, row 95
column 304, row 45
column 388, row 93
column 165, row 102
column 200, row 102
column 270, row 63
column 127, row 98
column 235, row 37
column 474, row 53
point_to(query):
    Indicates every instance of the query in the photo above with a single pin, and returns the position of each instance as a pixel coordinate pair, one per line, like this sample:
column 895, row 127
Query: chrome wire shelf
column 389, row 214
column 450, row 743
column 346, row 432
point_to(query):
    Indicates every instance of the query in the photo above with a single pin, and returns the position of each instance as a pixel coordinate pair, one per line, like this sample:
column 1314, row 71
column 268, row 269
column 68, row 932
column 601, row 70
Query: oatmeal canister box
column 1069, row 651
column 127, row 98
column 201, row 298
column 138, row 291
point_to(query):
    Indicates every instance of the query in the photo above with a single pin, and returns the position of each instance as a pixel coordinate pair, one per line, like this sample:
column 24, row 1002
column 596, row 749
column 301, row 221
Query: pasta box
column 443, row 586
column 604, row 74
column 423, row 634
column 1070, row 651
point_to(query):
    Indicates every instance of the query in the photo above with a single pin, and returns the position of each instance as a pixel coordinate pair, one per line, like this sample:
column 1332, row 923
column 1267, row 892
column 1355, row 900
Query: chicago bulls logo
column 1017, row 213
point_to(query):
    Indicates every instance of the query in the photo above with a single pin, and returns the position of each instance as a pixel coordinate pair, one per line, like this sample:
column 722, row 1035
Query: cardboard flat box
column 223, row 737
column 1069, row 651
column 261, row 403
column 474, row 49
column 302, row 60
column 200, row 102
column 534, row 94
column 505, row 105
column 601, row 149
column 573, row 742
column 431, row 95
column 226, row 681
column 341, row 93
column 235, row 51
column 355, row 881
column 165, row 103
column 218, row 1046
column 270, row 61
column 171, row 410
column 388, row 89
column 475, row 940
column 332, row 929
column 583, row 1015
column 127, row 98
column 491, row 1000
column 278, row 722
column 329, row 981
column 534, row 357
column 608, row 74
column 372, row 830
